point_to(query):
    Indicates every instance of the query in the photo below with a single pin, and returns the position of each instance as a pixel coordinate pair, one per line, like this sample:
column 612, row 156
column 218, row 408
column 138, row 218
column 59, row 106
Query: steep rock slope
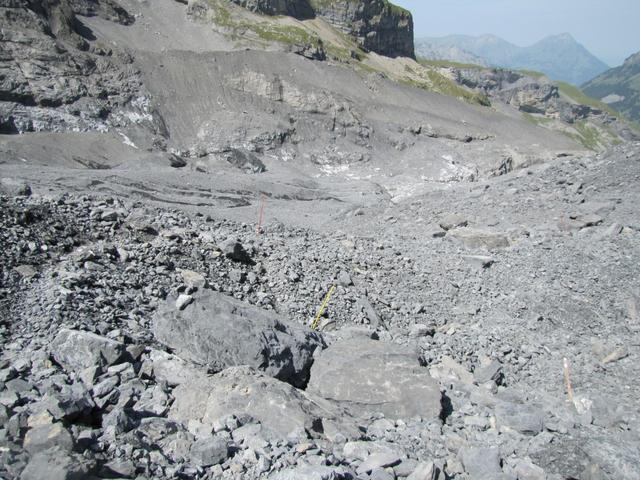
column 619, row 87
column 560, row 57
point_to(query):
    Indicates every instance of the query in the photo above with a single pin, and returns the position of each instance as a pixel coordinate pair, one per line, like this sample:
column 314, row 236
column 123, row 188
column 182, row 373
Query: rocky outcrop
column 53, row 79
column 527, row 93
column 106, row 9
column 377, row 25
column 294, row 8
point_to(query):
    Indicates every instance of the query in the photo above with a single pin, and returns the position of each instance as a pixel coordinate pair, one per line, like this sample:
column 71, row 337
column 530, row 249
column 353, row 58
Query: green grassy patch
column 449, row 64
column 438, row 83
column 588, row 135
column 537, row 120
column 287, row 34
column 532, row 73
column 578, row 96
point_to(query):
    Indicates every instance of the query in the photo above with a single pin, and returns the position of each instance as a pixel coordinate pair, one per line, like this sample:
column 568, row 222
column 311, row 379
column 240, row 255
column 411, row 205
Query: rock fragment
column 233, row 249
column 477, row 238
column 77, row 350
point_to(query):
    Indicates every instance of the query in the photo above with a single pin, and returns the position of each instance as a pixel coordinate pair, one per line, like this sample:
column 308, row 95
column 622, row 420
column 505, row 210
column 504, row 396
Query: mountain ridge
column 619, row 87
column 560, row 56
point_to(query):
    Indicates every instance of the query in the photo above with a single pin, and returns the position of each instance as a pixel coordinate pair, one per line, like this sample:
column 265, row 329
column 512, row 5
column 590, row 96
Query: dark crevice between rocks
column 447, row 408
column 84, row 31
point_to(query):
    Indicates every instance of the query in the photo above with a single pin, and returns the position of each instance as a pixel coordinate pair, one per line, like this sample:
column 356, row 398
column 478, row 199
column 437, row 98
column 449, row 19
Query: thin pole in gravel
column 263, row 202
column 567, row 379
column 316, row 322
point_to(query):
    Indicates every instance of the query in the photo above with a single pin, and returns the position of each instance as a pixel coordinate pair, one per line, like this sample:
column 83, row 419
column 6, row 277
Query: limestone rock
column 47, row 436
column 77, row 350
column 54, row 464
column 281, row 408
column 476, row 238
column 218, row 331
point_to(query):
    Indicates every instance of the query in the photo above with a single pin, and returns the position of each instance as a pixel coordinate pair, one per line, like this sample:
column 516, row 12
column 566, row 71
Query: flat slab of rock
column 282, row 409
column 369, row 376
column 217, row 331
column 313, row 472
column 76, row 350
column 522, row 418
column 481, row 463
column 476, row 238
column 56, row 464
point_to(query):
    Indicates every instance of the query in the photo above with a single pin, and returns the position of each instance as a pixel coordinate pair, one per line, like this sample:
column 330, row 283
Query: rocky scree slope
column 99, row 296
column 619, row 87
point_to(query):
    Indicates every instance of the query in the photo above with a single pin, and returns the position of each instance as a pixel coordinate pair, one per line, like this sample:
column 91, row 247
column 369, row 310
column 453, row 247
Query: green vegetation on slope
column 393, row 8
column 622, row 82
column 578, row 96
column 438, row 83
column 449, row 64
column 532, row 73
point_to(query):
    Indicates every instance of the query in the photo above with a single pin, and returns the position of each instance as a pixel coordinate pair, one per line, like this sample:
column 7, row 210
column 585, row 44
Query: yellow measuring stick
column 316, row 322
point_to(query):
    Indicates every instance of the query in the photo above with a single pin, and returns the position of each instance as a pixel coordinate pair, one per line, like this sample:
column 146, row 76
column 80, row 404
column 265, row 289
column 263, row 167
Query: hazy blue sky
column 610, row 29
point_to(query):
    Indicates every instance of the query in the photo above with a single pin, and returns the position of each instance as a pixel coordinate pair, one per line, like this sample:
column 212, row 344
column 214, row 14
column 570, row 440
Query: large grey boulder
column 283, row 410
column 76, row 350
column 369, row 377
column 218, row 331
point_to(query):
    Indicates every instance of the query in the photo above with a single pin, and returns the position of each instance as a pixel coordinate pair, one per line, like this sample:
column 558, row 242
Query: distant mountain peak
column 633, row 59
column 564, row 37
column 561, row 57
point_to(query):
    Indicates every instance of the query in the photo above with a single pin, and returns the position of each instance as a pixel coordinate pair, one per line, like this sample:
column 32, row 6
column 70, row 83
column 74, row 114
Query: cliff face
column 294, row 8
column 377, row 25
